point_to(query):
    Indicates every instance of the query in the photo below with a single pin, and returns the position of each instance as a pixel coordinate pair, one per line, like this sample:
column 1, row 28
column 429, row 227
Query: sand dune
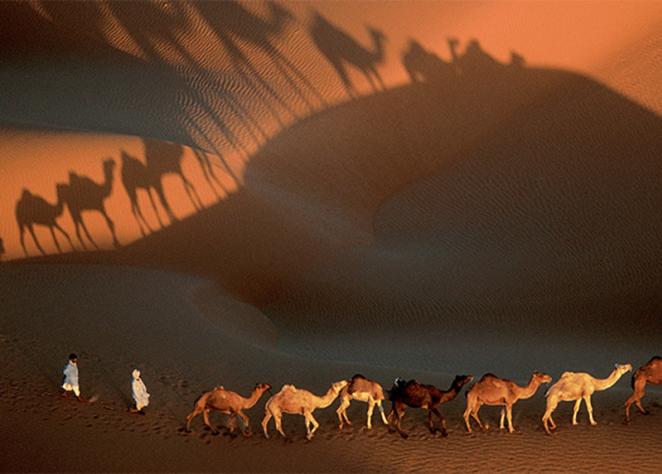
column 442, row 188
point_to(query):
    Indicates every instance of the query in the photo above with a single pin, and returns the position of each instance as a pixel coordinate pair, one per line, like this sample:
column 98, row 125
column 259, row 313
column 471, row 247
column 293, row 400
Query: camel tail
column 634, row 378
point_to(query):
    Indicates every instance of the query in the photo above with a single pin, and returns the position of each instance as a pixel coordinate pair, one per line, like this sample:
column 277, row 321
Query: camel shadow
column 341, row 50
column 34, row 210
column 161, row 159
column 82, row 194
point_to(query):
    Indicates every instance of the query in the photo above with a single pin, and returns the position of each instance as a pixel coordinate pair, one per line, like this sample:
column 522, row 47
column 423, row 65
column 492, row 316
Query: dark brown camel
column 228, row 402
column 649, row 373
column 427, row 397
column 83, row 194
column 32, row 209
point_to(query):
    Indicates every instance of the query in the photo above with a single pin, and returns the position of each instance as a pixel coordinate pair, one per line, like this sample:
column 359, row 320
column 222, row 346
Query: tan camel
column 578, row 386
column 649, row 373
column 494, row 391
column 364, row 390
column 228, row 402
column 83, row 194
column 32, row 210
column 341, row 49
column 296, row 401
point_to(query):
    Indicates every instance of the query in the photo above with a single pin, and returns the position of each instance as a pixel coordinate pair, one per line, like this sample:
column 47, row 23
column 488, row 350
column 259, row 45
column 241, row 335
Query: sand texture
column 229, row 193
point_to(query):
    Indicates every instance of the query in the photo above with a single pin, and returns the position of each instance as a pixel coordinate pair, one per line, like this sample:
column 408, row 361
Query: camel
column 161, row 159
column 427, row 397
column 2, row 248
column 32, row 209
column 297, row 401
column 578, row 386
column 649, row 373
column 340, row 49
column 495, row 391
column 228, row 402
column 83, row 194
column 364, row 390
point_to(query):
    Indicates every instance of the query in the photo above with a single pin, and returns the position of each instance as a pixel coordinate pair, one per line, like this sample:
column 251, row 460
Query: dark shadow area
column 341, row 51
column 83, row 194
column 502, row 195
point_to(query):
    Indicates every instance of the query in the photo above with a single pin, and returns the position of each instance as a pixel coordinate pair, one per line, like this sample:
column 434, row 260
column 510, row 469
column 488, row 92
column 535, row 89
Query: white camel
column 578, row 386
column 297, row 401
column 363, row 390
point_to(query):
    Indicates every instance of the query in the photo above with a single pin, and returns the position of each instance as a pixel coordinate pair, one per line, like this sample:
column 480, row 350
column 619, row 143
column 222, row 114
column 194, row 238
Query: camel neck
column 604, row 384
column 327, row 399
column 530, row 389
column 254, row 397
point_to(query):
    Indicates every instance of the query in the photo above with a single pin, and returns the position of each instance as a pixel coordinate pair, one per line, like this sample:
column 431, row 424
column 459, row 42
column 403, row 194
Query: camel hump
column 288, row 387
column 488, row 376
column 567, row 374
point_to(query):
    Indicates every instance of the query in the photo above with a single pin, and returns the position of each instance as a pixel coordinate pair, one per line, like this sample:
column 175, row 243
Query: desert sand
column 401, row 189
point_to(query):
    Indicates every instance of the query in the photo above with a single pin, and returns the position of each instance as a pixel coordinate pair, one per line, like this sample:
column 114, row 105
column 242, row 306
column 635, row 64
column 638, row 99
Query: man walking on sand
column 70, row 372
column 139, row 392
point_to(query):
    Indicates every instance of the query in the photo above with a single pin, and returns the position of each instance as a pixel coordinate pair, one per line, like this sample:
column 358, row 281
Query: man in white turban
column 140, row 395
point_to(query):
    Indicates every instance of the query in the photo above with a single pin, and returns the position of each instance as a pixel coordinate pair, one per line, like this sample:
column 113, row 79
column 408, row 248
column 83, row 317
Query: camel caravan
column 489, row 390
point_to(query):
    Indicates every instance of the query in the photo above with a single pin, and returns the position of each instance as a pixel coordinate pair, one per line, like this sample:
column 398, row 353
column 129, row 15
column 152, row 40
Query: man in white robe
column 70, row 383
column 140, row 395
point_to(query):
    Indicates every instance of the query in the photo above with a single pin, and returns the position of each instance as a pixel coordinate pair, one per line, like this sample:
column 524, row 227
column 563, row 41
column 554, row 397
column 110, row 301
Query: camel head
column 262, row 387
column 338, row 386
column 621, row 369
column 541, row 377
column 461, row 380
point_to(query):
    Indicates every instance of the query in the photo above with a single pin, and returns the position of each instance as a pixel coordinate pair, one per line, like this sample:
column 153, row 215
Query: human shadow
column 161, row 159
column 34, row 210
column 81, row 194
column 422, row 65
column 341, row 50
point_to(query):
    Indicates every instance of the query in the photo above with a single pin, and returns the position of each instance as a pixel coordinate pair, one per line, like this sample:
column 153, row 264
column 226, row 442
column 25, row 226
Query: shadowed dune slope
column 505, row 195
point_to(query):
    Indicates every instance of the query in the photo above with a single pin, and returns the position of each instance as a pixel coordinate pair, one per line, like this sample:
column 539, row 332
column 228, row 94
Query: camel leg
column 58, row 227
column 190, row 190
column 57, row 244
column 371, row 409
column 442, row 422
column 190, row 417
column 80, row 238
column 381, row 412
column 246, row 422
column 474, row 415
column 22, row 238
column 34, row 237
column 399, row 412
column 502, row 419
column 205, row 416
column 111, row 225
column 310, row 420
column 265, row 423
column 589, row 407
column 156, row 212
column 509, row 414
column 547, row 419
column 637, row 395
column 575, row 410
column 87, row 233
column 278, row 418
column 158, row 187
column 467, row 413
column 344, row 403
